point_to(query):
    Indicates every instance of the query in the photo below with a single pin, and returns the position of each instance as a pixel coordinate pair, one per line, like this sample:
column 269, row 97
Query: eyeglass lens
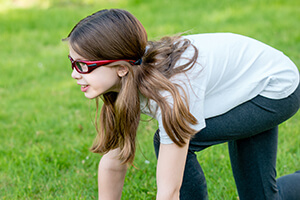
column 82, row 67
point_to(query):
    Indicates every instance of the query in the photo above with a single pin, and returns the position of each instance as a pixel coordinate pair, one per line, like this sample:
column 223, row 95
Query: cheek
column 106, row 79
column 104, row 83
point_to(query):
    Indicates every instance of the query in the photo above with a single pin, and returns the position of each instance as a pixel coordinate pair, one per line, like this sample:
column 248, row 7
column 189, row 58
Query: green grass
column 46, row 123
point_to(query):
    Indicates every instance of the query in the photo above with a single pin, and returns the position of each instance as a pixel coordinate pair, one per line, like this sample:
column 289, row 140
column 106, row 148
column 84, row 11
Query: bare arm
column 111, row 175
column 170, row 168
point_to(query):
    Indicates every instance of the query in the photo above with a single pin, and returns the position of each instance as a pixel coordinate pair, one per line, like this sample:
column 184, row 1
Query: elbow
column 111, row 164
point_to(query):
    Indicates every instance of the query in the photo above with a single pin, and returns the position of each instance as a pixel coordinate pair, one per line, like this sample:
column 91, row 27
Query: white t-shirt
column 231, row 69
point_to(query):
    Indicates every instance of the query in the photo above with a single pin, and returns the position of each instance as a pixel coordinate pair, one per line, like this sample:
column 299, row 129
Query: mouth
column 84, row 88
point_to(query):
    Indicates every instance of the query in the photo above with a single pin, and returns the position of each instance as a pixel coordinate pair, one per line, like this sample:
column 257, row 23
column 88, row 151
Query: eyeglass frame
column 95, row 64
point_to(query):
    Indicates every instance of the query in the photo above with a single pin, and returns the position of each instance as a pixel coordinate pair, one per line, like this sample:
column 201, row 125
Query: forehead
column 74, row 54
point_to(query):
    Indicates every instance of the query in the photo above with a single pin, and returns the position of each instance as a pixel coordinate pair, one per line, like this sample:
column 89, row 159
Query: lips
column 84, row 88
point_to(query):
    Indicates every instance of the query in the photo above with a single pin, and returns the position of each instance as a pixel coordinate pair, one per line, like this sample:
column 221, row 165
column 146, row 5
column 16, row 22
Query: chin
column 90, row 96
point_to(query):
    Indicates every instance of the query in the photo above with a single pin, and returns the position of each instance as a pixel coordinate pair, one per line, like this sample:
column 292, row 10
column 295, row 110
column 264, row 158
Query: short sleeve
column 195, row 98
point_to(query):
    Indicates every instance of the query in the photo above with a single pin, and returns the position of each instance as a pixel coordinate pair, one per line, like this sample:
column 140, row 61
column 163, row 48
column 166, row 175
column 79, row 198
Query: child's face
column 101, row 80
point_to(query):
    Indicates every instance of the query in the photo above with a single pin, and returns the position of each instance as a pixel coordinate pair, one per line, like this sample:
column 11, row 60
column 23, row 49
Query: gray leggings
column 251, row 130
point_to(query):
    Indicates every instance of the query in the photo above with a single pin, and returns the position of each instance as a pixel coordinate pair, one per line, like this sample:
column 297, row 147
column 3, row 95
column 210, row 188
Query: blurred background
column 47, row 125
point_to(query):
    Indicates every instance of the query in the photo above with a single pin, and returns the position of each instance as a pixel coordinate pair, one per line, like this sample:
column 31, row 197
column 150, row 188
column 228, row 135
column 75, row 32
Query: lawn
column 46, row 123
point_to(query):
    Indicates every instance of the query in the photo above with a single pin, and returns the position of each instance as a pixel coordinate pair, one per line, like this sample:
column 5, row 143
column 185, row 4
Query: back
column 238, row 68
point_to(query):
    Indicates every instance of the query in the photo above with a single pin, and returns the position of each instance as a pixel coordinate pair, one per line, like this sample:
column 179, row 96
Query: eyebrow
column 77, row 59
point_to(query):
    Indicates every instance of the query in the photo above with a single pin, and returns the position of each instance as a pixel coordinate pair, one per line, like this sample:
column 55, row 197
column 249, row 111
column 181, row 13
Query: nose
column 75, row 74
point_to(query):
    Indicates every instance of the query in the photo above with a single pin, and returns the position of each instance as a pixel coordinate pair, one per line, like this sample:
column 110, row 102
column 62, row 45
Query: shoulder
column 220, row 39
column 217, row 36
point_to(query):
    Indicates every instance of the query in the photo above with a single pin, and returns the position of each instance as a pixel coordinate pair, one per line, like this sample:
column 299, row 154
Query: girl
column 202, row 89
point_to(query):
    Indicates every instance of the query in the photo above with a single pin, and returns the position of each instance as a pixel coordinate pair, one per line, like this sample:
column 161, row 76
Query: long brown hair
column 117, row 34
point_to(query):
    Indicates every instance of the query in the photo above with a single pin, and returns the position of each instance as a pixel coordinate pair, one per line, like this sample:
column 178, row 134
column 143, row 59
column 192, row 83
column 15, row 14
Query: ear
column 122, row 70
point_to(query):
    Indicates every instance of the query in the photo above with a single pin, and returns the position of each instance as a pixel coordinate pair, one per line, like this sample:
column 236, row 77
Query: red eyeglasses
column 85, row 67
